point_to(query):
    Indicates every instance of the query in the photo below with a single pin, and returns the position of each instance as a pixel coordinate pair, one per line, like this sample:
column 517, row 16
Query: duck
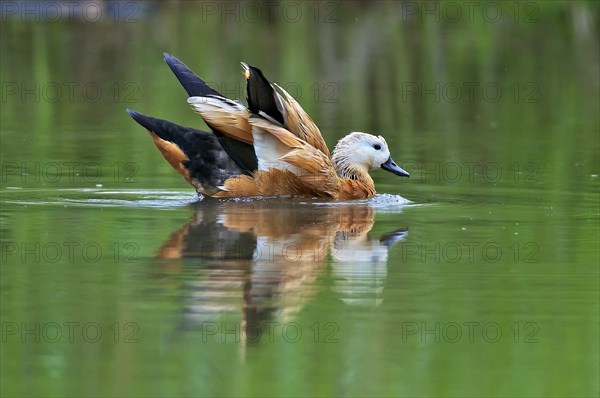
column 269, row 147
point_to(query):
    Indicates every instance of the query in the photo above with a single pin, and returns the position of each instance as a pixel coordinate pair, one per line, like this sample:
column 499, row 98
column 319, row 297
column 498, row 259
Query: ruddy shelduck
column 270, row 147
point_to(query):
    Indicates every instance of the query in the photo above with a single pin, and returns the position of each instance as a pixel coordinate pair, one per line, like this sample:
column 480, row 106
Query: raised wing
column 222, row 114
column 261, row 95
column 241, row 152
column 309, row 164
column 299, row 122
column 265, row 100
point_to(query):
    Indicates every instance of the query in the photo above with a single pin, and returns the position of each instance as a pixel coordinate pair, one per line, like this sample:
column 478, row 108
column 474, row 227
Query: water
column 478, row 276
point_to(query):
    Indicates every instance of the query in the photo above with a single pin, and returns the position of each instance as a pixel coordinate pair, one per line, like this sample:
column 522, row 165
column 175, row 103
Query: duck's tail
column 197, row 155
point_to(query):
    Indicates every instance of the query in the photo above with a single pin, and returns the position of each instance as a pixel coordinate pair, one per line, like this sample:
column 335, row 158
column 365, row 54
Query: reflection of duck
column 261, row 258
column 271, row 147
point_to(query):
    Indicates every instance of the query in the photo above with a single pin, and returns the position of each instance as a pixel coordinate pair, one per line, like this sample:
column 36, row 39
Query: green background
column 494, row 115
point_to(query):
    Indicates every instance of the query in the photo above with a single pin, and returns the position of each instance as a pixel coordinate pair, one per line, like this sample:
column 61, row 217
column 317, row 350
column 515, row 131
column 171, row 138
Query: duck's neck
column 345, row 169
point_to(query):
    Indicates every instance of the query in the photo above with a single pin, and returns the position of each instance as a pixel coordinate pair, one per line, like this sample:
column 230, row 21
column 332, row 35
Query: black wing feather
column 241, row 153
column 262, row 96
column 191, row 82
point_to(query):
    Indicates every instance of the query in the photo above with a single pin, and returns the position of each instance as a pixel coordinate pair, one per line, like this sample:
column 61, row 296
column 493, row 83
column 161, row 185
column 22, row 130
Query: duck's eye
column 377, row 147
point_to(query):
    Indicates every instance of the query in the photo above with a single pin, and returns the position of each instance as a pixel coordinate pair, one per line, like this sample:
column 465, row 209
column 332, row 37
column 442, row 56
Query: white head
column 357, row 153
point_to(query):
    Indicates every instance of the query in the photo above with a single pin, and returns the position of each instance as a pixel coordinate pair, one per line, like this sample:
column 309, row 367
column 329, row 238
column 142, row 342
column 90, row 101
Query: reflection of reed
column 261, row 258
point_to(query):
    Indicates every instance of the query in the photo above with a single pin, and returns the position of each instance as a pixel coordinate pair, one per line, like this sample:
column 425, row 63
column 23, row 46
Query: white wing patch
column 270, row 151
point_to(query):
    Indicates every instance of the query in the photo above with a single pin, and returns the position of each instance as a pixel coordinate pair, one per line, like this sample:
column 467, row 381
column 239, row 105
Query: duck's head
column 357, row 153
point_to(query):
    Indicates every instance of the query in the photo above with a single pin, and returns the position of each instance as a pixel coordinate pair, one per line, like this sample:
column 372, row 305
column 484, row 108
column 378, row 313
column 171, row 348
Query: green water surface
column 117, row 280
